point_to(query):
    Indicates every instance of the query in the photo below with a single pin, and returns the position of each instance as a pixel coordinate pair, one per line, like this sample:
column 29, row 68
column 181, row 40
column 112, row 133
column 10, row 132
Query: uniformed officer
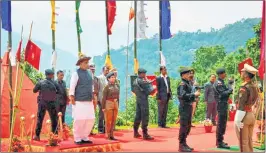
column 142, row 89
column 110, row 105
column 222, row 94
column 46, row 102
column 244, row 118
column 186, row 97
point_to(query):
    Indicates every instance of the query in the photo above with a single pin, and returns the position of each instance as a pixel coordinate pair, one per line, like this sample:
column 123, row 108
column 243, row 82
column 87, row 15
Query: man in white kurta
column 81, row 97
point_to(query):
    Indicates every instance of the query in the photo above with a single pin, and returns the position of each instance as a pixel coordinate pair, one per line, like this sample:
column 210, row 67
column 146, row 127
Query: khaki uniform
column 110, row 104
column 246, row 99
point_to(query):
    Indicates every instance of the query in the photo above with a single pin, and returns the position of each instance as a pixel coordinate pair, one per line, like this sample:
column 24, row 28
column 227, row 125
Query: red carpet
column 166, row 140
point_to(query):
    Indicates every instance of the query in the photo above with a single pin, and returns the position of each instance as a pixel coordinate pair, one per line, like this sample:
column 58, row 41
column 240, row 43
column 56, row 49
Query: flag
column 261, row 68
column 165, row 22
column 77, row 16
column 108, row 62
column 54, row 58
column 111, row 12
column 163, row 61
column 18, row 54
column 141, row 20
column 53, row 15
column 32, row 54
column 6, row 15
column 12, row 59
column 131, row 14
column 136, row 66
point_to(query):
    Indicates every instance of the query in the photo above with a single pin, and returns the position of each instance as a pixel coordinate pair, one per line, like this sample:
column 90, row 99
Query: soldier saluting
column 245, row 119
column 142, row 89
column 222, row 94
column 46, row 101
column 186, row 98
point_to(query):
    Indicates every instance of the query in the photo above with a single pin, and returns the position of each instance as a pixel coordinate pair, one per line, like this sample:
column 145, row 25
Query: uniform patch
column 182, row 83
column 242, row 90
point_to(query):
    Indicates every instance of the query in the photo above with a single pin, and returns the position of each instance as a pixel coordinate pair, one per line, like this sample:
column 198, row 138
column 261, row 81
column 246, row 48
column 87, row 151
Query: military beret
column 49, row 72
column 220, row 71
column 82, row 58
column 249, row 69
column 110, row 74
column 141, row 70
column 184, row 70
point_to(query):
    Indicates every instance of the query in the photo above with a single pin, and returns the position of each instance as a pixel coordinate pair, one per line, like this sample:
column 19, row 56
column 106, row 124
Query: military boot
column 136, row 133
column 184, row 148
column 223, row 145
column 185, row 144
column 146, row 136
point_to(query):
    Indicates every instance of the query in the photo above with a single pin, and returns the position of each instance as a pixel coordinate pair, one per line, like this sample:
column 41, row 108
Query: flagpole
column 53, row 31
column 160, row 31
column 135, row 31
column 107, row 35
column 77, row 25
column 10, row 75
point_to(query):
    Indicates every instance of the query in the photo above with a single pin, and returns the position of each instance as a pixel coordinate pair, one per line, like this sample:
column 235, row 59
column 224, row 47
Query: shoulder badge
column 182, row 83
column 242, row 90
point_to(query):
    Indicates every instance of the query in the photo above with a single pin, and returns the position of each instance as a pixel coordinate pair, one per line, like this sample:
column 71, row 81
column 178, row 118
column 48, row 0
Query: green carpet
column 232, row 149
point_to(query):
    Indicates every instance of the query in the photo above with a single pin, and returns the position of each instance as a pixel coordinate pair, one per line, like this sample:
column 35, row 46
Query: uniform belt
column 112, row 100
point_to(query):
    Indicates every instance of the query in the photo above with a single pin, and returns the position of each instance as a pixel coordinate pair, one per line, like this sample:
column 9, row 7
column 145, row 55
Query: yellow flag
column 108, row 62
column 136, row 66
column 53, row 15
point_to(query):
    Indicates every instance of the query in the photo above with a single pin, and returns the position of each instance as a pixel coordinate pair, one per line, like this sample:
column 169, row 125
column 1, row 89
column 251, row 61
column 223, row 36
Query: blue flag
column 6, row 15
column 165, row 19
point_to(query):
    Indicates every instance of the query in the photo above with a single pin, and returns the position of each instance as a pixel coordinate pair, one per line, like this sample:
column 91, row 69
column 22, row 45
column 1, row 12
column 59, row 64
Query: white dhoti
column 84, row 116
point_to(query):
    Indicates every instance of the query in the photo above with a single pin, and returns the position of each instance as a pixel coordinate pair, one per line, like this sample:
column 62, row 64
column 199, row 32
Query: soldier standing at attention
column 110, row 105
column 222, row 94
column 46, row 102
column 63, row 97
column 245, row 119
column 186, row 98
column 141, row 88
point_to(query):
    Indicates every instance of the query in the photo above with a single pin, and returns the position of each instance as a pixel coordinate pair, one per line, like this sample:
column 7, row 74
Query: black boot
column 136, row 133
column 36, row 138
column 223, row 145
column 188, row 146
column 183, row 148
column 146, row 136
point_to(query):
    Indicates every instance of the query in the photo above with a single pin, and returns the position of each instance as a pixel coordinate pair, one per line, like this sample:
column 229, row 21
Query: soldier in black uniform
column 222, row 94
column 142, row 88
column 46, row 101
column 186, row 98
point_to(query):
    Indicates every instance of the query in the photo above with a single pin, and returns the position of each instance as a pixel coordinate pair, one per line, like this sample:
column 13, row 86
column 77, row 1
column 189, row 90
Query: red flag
column 32, row 54
column 261, row 68
column 111, row 7
column 19, row 51
column 131, row 13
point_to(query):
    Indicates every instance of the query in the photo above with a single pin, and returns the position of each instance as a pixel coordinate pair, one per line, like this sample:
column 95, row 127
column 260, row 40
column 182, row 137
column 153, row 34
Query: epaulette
column 242, row 89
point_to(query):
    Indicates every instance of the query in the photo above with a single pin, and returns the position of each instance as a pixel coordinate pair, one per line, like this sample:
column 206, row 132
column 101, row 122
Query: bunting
column 111, row 7
column 18, row 54
column 136, row 66
column 165, row 19
column 108, row 62
column 6, row 15
column 77, row 16
column 163, row 60
column 54, row 58
column 141, row 20
column 261, row 68
column 131, row 14
column 53, row 15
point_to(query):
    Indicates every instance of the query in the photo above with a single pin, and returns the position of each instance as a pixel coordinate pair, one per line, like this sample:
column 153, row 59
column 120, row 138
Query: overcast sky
column 186, row 15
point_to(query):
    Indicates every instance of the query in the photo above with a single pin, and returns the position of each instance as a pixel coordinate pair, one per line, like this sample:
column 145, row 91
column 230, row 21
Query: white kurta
column 82, row 113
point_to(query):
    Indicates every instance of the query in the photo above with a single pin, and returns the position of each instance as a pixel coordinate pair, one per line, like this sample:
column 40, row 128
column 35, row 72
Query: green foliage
column 31, row 72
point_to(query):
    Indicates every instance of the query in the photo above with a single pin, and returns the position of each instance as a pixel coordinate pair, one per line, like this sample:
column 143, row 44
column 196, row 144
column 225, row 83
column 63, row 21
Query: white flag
column 12, row 59
column 163, row 61
column 54, row 57
column 141, row 20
